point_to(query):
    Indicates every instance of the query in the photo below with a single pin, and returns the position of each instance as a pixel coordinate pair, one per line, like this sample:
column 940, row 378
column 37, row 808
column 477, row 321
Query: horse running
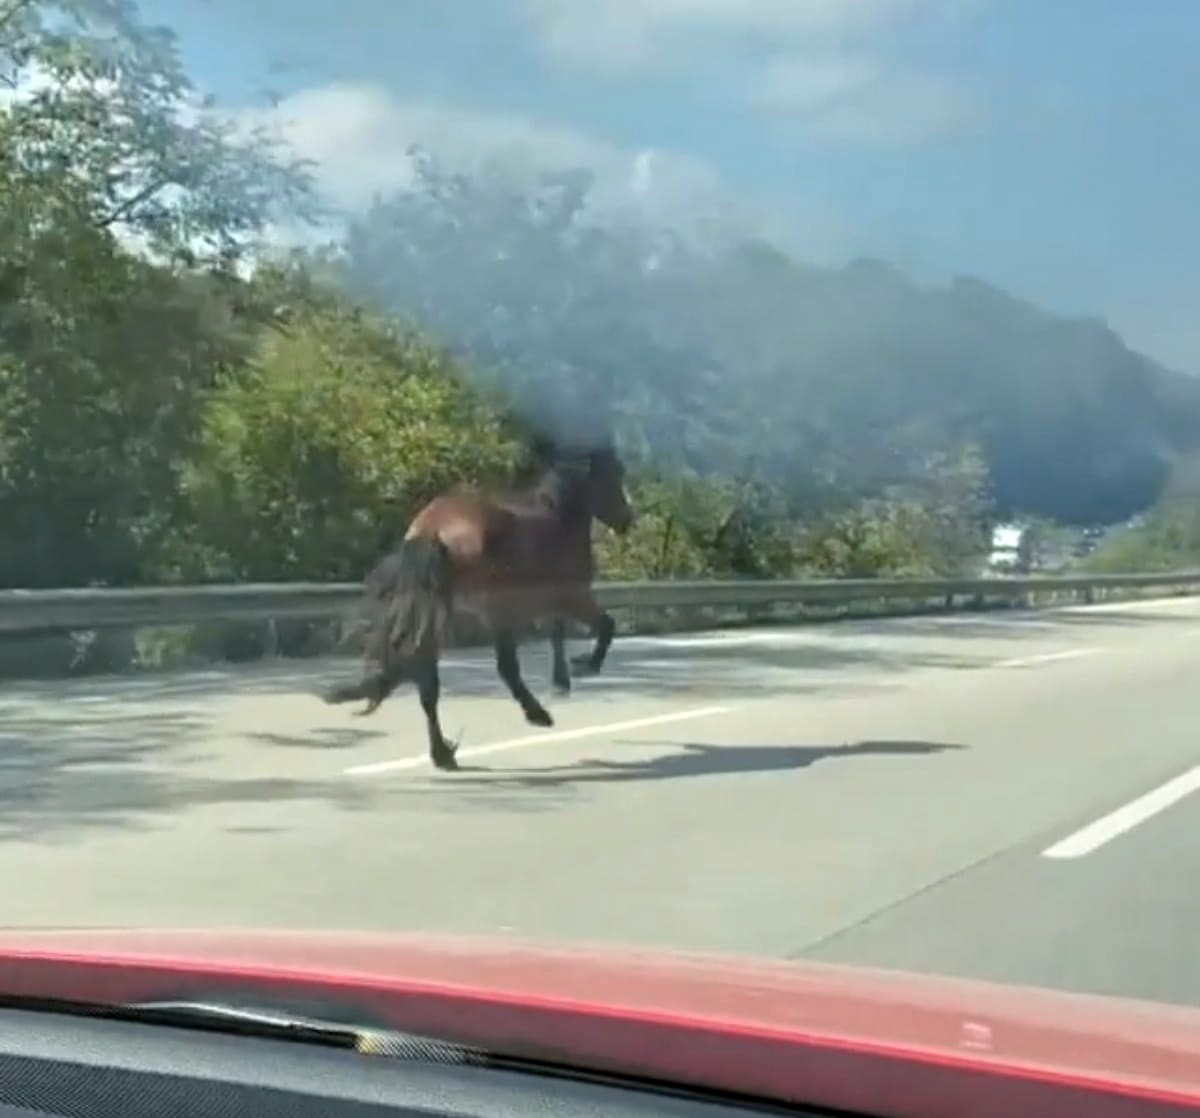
column 508, row 560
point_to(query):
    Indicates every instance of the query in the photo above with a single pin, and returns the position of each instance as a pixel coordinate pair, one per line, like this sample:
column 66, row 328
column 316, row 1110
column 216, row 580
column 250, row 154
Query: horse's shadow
column 690, row 760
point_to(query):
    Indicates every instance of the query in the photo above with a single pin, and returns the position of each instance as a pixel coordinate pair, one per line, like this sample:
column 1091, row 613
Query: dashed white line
column 1107, row 828
column 544, row 738
column 1046, row 658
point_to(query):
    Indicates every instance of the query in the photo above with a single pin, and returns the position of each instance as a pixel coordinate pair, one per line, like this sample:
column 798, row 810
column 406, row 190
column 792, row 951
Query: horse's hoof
column 562, row 688
column 445, row 760
column 538, row 716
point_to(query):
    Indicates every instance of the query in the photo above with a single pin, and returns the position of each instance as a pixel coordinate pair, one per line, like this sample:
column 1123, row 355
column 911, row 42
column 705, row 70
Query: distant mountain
column 1074, row 424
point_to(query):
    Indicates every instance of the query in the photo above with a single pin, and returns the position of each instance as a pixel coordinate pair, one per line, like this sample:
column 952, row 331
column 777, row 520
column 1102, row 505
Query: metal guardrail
column 27, row 611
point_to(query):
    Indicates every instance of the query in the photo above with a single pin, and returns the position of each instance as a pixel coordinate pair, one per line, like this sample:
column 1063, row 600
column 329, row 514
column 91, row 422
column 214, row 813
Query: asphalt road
column 931, row 794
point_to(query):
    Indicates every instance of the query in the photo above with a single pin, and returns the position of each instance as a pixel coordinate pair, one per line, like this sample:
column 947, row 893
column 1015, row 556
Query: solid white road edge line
column 805, row 635
column 545, row 738
column 1107, row 828
column 1046, row 658
column 1122, row 605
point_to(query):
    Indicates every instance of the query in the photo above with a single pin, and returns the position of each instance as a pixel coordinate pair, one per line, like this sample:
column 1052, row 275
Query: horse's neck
column 566, row 497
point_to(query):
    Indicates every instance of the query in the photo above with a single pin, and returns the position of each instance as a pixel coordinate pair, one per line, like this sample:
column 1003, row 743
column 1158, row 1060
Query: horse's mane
column 559, row 486
column 555, row 479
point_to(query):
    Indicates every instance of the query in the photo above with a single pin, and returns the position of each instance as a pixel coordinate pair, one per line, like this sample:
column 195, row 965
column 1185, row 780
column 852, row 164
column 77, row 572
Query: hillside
column 730, row 357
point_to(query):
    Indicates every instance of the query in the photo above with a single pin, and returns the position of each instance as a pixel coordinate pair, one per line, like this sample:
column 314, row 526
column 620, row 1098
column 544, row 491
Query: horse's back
column 513, row 559
column 457, row 513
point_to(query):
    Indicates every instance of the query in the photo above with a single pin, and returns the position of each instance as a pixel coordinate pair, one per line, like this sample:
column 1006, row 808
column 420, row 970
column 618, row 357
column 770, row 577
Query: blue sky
column 1047, row 146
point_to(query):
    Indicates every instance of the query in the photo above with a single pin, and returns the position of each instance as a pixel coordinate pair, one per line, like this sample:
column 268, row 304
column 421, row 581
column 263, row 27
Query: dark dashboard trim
column 58, row 1064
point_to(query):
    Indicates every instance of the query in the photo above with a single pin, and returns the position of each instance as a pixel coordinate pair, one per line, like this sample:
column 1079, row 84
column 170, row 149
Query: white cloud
column 358, row 137
column 808, row 84
column 820, row 69
column 857, row 99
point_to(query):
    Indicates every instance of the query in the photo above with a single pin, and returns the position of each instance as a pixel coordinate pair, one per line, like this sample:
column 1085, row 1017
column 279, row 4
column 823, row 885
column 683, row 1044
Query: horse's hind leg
column 510, row 672
column 424, row 673
column 561, row 675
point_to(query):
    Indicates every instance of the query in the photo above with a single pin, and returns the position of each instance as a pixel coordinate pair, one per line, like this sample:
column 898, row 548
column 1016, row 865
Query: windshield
column 713, row 476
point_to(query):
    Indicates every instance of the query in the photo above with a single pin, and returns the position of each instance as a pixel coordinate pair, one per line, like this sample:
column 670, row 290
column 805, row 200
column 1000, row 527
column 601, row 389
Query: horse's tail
column 409, row 600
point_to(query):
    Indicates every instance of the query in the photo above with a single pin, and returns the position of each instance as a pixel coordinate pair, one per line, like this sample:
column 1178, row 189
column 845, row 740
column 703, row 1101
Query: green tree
column 106, row 352
column 934, row 526
column 102, row 111
column 102, row 362
column 556, row 311
column 1166, row 538
column 954, row 503
column 316, row 453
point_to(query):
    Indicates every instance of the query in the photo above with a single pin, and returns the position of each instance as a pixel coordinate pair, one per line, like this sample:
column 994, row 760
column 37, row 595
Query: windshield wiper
column 247, row 1020
column 287, row 1025
column 243, row 1021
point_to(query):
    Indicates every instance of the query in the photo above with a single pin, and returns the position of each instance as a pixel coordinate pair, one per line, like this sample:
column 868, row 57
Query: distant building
column 1006, row 547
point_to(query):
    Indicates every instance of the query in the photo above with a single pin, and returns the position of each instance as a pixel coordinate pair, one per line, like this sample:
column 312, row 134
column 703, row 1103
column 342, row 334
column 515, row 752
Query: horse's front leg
column 582, row 606
column 561, row 675
column 510, row 672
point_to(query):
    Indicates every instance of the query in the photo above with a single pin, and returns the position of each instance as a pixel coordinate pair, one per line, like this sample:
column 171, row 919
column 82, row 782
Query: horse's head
column 587, row 479
column 606, row 484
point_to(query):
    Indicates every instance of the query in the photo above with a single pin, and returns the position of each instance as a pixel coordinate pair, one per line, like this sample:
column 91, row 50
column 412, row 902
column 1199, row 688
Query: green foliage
column 678, row 522
column 102, row 360
column 1045, row 546
column 933, row 526
column 1166, row 538
column 106, row 353
column 336, row 430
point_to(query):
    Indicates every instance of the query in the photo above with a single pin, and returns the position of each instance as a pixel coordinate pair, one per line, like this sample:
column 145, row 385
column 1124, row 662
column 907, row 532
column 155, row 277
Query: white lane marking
column 714, row 638
column 1046, row 658
column 539, row 739
column 1105, row 829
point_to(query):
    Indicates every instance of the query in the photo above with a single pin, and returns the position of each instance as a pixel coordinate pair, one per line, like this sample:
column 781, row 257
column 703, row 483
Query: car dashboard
column 85, row 1067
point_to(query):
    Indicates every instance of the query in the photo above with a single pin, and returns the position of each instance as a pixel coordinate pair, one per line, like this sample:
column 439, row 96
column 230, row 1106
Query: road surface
column 1007, row 797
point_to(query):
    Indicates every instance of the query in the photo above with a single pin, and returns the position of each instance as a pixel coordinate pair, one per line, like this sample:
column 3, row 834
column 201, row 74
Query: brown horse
column 509, row 560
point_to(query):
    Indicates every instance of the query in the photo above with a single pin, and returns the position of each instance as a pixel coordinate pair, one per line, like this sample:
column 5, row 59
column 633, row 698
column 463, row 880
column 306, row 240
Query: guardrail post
column 271, row 640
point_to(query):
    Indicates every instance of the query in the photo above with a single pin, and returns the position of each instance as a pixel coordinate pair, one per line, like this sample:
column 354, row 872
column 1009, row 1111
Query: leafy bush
column 316, row 453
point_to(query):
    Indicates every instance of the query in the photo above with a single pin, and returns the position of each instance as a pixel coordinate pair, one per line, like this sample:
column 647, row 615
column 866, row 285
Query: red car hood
column 866, row 1041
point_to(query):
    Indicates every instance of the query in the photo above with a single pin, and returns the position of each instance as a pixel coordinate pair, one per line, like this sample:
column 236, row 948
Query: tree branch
column 121, row 211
